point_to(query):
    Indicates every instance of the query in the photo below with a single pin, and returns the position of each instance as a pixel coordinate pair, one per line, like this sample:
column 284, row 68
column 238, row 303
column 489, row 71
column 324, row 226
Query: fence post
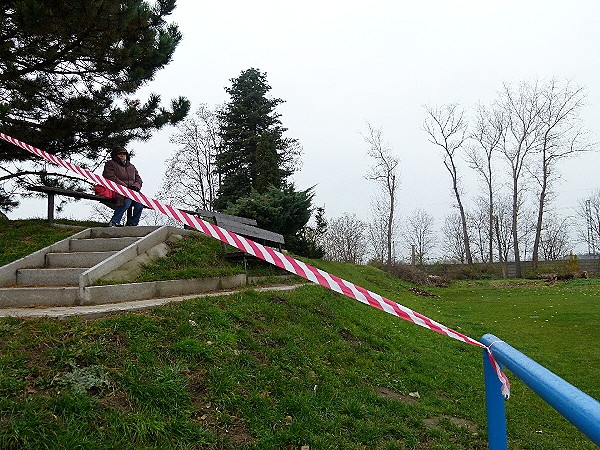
column 494, row 405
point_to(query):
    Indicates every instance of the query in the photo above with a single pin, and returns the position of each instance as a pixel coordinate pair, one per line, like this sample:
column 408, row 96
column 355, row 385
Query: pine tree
column 255, row 155
column 69, row 72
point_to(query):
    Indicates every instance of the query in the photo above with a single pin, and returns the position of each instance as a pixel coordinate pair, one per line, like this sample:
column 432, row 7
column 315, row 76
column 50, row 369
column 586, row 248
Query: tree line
column 515, row 146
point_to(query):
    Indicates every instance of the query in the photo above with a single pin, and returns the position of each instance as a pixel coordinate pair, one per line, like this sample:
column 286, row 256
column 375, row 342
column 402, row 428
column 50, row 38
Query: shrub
column 569, row 269
column 562, row 270
column 412, row 274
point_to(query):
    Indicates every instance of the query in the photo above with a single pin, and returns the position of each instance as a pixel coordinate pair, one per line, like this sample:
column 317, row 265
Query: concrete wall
column 591, row 266
column 96, row 295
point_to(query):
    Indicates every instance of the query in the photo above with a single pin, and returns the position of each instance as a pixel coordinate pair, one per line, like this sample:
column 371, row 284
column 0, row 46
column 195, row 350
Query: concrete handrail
column 115, row 261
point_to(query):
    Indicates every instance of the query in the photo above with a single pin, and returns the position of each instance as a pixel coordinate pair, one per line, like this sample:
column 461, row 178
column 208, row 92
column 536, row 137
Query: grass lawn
column 305, row 367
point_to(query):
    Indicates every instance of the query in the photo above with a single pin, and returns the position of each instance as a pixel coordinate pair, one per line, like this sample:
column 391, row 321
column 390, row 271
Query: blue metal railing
column 576, row 406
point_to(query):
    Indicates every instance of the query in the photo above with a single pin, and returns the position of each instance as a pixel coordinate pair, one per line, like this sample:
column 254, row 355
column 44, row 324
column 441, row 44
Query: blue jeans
column 120, row 210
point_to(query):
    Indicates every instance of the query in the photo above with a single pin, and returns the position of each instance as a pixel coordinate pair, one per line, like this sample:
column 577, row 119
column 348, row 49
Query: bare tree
column 503, row 231
column 383, row 172
column 589, row 211
column 376, row 231
column 447, row 128
column 190, row 179
column 479, row 231
column 561, row 135
column 489, row 130
column 453, row 242
column 420, row 234
column 345, row 240
column 555, row 242
column 520, row 109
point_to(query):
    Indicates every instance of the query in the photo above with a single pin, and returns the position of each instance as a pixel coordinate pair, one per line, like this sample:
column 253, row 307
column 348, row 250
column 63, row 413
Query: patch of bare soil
column 236, row 433
column 119, row 341
column 278, row 299
column 354, row 341
column 208, row 415
column 117, row 401
column 261, row 357
column 433, row 422
column 421, row 292
column 390, row 393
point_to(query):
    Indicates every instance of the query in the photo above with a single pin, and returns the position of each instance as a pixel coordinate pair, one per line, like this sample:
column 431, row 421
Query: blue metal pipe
column 494, row 406
column 576, row 406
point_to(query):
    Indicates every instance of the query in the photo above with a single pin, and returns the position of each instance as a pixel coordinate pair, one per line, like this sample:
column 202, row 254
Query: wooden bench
column 239, row 225
column 242, row 226
column 51, row 192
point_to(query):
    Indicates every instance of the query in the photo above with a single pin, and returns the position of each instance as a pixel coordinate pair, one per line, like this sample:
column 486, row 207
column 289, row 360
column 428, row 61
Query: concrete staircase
column 60, row 280
column 63, row 273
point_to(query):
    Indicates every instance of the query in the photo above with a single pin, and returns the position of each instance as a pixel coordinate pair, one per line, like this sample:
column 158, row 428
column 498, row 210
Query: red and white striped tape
column 272, row 256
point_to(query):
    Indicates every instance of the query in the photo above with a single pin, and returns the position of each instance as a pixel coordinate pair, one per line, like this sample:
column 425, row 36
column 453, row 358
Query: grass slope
column 285, row 370
column 199, row 256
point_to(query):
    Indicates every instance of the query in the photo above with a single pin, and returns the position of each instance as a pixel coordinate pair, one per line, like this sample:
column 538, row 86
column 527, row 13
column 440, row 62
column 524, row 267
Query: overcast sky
column 338, row 64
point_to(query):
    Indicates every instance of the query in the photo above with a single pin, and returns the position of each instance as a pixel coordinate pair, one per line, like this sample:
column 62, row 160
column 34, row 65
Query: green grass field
column 306, row 367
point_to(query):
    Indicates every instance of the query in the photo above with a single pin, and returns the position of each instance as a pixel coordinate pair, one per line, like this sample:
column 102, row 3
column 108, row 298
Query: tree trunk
column 389, row 234
column 540, row 218
column 538, row 229
column 390, row 224
column 491, row 213
column 500, row 259
column 515, row 210
column 463, row 218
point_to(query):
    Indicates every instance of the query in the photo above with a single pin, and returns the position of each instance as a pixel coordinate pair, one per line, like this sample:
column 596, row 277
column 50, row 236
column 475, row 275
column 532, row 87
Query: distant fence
column 508, row 269
column 591, row 266
column 576, row 406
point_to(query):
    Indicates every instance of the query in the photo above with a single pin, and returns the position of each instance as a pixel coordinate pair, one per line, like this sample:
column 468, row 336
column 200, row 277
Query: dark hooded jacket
column 123, row 173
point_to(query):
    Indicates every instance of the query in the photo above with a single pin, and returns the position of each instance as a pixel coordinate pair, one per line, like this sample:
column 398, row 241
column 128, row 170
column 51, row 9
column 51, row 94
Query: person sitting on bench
column 120, row 170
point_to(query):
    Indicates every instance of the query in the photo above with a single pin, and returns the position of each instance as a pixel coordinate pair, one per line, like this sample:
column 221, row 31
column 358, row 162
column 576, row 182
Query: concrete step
column 101, row 244
column 49, row 277
column 36, row 296
column 103, row 232
column 76, row 259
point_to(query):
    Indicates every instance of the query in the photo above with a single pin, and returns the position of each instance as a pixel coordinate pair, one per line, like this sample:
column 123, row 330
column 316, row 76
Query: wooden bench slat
column 250, row 231
column 68, row 193
column 218, row 216
column 52, row 191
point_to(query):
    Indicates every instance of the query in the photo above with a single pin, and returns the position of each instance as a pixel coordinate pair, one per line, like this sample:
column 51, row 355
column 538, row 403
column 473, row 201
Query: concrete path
column 90, row 312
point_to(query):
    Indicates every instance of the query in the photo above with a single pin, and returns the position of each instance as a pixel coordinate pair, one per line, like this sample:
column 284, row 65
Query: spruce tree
column 255, row 156
column 69, row 71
